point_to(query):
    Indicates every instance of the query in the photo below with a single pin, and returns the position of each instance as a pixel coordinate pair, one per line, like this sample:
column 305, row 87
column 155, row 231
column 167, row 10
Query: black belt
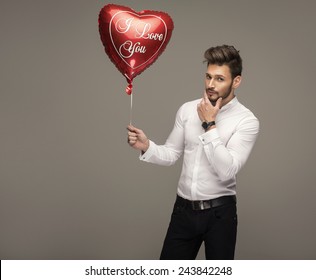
column 207, row 204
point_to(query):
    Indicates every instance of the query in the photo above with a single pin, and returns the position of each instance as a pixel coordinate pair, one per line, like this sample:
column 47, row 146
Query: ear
column 236, row 82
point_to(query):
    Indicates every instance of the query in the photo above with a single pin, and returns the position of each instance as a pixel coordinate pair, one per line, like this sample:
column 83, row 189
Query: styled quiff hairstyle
column 225, row 55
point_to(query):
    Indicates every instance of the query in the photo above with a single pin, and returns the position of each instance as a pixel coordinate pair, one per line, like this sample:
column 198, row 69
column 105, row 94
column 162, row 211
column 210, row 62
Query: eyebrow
column 216, row 75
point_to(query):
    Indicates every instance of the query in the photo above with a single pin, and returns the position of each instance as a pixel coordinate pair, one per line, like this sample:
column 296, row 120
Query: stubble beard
column 224, row 95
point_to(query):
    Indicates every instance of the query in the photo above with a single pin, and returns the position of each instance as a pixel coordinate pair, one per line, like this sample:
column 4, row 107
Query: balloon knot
column 129, row 89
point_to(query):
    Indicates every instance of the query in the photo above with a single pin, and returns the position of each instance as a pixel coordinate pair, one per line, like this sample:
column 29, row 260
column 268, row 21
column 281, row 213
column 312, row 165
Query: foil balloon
column 133, row 40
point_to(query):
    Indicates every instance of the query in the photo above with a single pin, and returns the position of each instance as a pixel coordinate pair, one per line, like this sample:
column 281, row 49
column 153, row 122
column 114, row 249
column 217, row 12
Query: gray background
column 71, row 187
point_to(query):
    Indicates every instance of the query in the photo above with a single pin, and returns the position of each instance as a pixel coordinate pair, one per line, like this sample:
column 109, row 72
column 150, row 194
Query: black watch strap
column 206, row 125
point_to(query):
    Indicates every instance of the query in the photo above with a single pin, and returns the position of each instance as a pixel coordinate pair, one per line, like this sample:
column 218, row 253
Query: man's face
column 219, row 83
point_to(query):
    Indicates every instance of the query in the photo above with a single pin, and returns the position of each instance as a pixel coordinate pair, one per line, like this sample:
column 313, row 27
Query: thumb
column 132, row 128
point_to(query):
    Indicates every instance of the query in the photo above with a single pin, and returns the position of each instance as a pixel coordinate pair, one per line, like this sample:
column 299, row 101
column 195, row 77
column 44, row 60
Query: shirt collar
column 229, row 105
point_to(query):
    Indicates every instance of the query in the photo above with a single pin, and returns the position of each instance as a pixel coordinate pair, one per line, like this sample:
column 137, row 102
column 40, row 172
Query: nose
column 211, row 83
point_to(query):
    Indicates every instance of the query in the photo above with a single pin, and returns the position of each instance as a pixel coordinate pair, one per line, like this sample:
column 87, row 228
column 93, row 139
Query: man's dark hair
column 225, row 55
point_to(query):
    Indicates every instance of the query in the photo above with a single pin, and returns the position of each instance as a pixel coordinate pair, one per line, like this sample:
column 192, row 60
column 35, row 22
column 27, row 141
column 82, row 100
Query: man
column 216, row 135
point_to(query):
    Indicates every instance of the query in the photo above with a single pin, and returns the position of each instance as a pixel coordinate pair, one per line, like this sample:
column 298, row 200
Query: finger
column 130, row 128
column 131, row 134
column 134, row 129
column 219, row 102
column 206, row 97
column 132, row 138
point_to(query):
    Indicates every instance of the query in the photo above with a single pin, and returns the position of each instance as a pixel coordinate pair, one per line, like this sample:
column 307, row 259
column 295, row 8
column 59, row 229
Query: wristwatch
column 206, row 125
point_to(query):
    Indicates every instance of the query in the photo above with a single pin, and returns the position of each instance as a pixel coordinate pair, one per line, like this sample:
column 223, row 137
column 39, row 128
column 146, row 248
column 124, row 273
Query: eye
column 208, row 77
column 220, row 79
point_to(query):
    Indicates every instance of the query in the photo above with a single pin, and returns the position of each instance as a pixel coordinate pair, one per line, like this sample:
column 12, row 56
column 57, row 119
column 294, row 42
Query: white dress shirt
column 211, row 159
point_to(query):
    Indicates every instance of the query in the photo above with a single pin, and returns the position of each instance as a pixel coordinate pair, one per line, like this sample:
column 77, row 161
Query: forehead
column 218, row 70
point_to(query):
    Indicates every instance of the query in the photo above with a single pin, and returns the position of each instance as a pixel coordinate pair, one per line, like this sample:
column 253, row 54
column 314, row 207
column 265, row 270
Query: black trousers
column 188, row 228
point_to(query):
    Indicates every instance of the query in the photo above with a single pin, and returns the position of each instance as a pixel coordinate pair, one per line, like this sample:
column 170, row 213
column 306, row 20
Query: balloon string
column 131, row 110
column 129, row 90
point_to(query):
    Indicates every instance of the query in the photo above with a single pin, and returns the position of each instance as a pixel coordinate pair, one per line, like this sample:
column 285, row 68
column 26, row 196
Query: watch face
column 206, row 125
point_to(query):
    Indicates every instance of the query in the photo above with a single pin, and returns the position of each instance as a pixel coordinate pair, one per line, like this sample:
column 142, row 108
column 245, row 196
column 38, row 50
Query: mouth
column 210, row 93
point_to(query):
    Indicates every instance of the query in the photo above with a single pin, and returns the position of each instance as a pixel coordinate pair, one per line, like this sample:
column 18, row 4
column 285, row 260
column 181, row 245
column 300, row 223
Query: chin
column 213, row 99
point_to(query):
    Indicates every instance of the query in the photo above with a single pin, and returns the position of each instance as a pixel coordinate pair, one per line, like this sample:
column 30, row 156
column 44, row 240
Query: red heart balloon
column 133, row 40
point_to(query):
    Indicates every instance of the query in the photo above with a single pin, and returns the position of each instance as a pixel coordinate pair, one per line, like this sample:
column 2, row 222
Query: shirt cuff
column 150, row 151
column 210, row 136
